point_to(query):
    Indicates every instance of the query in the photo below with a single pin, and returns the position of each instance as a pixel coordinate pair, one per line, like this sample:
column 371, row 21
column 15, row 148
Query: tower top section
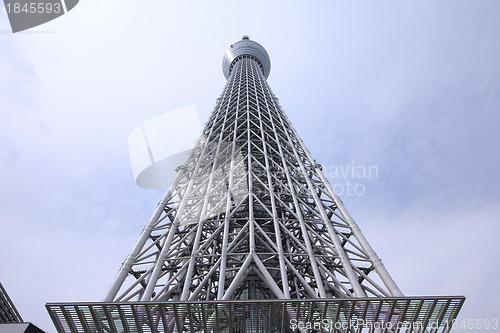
column 243, row 49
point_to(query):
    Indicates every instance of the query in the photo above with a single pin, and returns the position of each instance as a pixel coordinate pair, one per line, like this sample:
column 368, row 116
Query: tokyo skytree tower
column 251, row 237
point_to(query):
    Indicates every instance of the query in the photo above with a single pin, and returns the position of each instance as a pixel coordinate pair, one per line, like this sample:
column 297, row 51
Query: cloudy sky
column 408, row 88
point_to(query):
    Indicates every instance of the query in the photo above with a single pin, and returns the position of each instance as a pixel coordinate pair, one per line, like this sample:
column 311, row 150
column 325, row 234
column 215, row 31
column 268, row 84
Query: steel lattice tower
column 249, row 226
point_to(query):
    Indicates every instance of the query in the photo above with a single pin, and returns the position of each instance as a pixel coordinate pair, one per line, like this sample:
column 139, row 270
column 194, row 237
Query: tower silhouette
column 251, row 237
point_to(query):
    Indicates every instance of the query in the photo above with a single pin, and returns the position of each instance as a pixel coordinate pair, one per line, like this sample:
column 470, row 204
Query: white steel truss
column 250, row 237
column 250, row 215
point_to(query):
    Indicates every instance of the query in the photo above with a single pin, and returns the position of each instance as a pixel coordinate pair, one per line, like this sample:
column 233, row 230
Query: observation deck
column 246, row 48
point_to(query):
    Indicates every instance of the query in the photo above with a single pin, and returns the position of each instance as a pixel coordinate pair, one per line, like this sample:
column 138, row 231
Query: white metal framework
column 250, row 216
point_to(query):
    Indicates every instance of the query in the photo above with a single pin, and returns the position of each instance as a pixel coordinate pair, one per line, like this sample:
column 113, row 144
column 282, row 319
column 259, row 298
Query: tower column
column 250, row 236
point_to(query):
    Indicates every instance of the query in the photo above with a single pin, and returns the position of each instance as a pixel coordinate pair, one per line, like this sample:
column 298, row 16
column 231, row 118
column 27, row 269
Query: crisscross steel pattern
column 250, row 216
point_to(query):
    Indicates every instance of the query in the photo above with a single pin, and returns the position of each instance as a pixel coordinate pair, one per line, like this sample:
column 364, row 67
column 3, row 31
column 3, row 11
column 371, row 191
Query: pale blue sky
column 410, row 87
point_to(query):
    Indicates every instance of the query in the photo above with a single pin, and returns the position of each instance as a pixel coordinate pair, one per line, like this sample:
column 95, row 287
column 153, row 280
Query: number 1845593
column 34, row 8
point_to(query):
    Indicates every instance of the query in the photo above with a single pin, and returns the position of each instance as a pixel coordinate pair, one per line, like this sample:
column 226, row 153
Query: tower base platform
column 388, row 314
